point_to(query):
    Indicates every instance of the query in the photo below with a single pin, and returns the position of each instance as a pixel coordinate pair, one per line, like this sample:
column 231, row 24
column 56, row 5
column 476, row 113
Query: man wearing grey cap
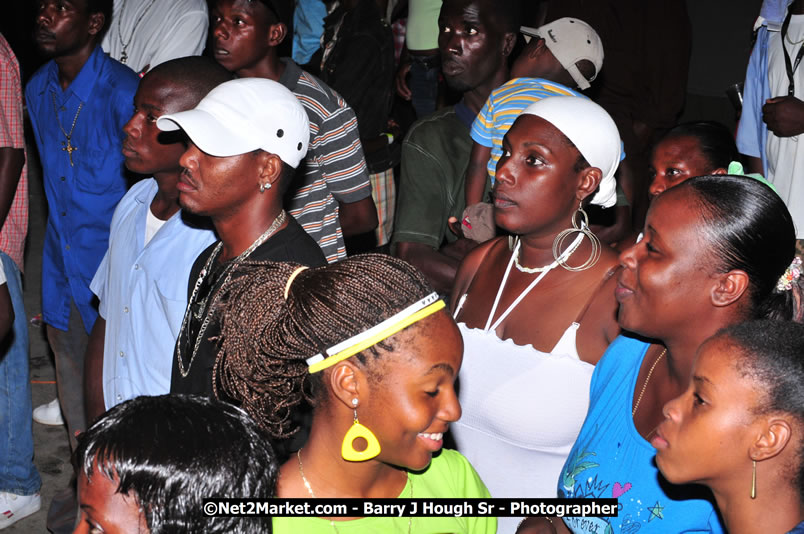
column 246, row 137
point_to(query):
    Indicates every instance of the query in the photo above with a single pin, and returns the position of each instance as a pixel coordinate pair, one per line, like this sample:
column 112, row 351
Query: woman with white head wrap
column 537, row 310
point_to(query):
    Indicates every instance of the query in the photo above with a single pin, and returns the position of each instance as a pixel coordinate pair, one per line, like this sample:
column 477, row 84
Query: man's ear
column 96, row 22
column 509, row 41
column 538, row 48
column 729, row 288
column 269, row 169
column 277, row 33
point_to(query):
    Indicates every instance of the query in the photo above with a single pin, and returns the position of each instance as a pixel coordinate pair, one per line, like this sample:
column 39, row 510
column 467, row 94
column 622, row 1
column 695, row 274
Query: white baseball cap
column 243, row 115
column 570, row 40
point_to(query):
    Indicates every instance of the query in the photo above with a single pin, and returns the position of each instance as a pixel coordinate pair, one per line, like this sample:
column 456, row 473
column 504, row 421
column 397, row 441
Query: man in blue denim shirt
column 78, row 103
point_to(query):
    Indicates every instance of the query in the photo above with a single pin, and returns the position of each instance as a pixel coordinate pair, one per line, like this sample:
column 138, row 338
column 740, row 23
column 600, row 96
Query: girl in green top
column 369, row 344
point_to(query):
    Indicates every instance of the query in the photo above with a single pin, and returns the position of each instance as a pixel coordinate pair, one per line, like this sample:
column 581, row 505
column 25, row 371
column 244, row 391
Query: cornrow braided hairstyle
column 266, row 339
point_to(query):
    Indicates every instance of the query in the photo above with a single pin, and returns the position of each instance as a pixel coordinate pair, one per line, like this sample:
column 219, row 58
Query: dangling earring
column 582, row 226
column 754, row 480
column 359, row 431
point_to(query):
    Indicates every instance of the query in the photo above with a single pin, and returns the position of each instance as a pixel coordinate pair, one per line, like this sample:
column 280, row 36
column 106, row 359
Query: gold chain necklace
column 310, row 490
column 229, row 270
column 123, row 55
column 69, row 148
column 645, row 385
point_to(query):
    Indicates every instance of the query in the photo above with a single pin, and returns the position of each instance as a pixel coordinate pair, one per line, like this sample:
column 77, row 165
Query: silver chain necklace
column 230, row 268
column 310, row 490
column 124, row 55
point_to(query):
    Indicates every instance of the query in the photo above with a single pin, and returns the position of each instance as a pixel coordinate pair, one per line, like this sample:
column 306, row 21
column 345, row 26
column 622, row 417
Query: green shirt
column 449, row 475
column 435, row 156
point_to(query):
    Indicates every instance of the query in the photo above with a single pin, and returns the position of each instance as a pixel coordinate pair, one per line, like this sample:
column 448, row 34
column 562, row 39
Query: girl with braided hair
column 369, row 344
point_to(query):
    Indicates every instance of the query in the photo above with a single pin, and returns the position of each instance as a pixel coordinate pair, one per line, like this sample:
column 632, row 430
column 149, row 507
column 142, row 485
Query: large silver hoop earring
column 580, row 223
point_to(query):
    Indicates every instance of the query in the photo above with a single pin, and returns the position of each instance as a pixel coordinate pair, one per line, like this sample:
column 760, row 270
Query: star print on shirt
column 656, row 511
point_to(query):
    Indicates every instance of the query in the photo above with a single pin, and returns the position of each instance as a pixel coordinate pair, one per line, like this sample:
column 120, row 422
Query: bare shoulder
column 471, row 265
column 599, row 324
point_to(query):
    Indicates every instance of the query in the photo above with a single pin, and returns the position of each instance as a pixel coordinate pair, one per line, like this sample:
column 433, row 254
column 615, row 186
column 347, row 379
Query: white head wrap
column 592, row 131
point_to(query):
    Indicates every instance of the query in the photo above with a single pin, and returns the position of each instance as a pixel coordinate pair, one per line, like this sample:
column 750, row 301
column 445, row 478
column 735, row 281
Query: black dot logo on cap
column 280, row 132
column 588, row 41
column 299, row 146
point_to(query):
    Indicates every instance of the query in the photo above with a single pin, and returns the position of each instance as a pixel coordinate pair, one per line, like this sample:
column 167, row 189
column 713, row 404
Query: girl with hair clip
column 370, row 345
column 717, row 250
column 537, row 311
column 739, row 427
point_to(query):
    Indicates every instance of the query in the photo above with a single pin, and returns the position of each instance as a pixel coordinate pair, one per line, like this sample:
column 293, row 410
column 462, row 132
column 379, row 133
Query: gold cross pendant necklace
column 69, row 148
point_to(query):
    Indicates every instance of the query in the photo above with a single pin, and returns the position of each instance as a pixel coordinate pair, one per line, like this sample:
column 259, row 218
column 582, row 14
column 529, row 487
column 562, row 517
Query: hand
column 455, row 227
column 784, row 115
column 477, row 223
column 402, row 88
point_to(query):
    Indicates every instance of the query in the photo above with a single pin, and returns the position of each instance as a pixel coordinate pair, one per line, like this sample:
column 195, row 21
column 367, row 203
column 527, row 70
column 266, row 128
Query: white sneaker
column 49, row 414
column 15, row 507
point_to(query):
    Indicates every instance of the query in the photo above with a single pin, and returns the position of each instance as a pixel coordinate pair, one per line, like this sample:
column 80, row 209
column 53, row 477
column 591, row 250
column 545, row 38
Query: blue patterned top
column 610, row 459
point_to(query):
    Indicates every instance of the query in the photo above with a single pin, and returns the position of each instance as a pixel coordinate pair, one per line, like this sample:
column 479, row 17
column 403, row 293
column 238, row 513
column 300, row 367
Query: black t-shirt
column 291, row 244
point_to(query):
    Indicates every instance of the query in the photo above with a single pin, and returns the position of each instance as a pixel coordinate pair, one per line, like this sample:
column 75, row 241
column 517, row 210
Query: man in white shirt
column 145, row 33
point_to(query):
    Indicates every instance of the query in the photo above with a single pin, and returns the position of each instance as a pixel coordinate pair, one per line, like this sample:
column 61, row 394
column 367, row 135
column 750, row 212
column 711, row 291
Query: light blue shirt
column 143, row 294
column 752, row 132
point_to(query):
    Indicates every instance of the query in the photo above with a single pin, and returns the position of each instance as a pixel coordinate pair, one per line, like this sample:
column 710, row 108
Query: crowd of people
column 296, row 247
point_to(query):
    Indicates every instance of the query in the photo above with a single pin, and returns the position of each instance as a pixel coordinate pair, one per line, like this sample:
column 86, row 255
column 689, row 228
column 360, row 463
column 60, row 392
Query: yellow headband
column 345, row 349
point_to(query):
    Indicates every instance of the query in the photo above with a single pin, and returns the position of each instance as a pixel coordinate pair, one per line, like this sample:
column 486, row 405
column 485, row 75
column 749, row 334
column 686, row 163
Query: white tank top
column 522, row 409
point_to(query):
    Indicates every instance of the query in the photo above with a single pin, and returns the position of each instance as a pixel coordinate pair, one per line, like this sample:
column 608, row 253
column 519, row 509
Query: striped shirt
column 334, row 170
column 502, row 108
column 15, row 227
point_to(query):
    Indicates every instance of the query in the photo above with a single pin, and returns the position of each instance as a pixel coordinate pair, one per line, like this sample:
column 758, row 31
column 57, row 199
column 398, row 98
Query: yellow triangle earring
column 359, row 431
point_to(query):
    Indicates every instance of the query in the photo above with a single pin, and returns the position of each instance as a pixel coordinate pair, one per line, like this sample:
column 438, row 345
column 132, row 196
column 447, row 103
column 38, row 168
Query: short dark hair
column 197, row 75
column 715, row 141
column 282, row 10
column 772, row 354
column 174, row 451
column 748, row 227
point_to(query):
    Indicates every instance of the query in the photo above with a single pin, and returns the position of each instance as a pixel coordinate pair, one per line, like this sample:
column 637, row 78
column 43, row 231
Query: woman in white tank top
column 533, row 324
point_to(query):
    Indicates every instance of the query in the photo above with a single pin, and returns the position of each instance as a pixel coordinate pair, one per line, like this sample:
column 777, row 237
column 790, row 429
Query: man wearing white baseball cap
column 574, row 45
column 539, row 71
column 246, row 137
